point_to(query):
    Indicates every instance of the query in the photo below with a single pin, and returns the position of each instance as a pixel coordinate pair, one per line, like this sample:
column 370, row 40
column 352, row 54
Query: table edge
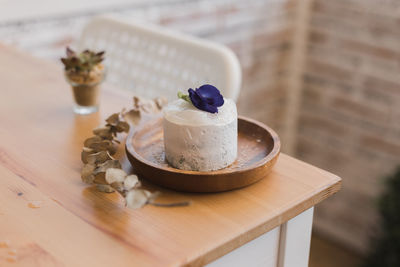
column 290, row 212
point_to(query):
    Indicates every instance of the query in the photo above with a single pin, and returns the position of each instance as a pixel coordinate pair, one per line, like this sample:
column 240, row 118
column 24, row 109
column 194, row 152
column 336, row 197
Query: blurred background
column 324, row 74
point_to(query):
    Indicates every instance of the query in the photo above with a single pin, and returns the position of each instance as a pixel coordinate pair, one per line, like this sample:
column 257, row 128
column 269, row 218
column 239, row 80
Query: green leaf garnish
column 184, row 97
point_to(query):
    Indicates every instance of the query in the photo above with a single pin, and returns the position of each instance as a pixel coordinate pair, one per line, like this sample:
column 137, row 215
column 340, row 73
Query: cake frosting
column 197, row 140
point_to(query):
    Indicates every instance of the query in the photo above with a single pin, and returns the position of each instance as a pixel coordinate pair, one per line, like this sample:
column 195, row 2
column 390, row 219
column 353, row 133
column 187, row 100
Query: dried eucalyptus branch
column 101, row 169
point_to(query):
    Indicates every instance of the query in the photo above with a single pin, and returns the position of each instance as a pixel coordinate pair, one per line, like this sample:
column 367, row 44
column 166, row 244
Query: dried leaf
column 131, row 181
column 119, row 186
column 116, row 125
column 100, row 172
column 87, row 173
column 95, row 139
column 136, row 102
column 105, row 188
column 105, row 145
column 116, row 141
column 132, row 116
column 113, row 149
column 115, row 175
column 122, row 126
column 86, row 149
column 86, row 152
column 145, row 105
column 137, row 198
column 100, row 178
column 113, row 119
column 149, row 105
column 109, row 164
column 104, row 132
column 98, row 158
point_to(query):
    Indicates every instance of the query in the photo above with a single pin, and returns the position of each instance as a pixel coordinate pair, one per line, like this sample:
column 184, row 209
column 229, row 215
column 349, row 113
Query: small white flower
column 130, row 182
column 137, row 198
column 115, row 175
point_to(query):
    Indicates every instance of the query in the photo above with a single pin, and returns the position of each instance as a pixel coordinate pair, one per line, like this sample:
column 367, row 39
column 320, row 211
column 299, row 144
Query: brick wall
column 350, row 116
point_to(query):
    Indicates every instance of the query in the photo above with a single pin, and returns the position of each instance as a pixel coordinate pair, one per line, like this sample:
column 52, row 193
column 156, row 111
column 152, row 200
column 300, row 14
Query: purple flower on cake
column 206, row 98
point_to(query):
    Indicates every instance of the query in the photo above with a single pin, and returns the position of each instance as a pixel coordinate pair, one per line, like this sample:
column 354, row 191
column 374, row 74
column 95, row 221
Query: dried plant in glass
column 103, row 170
column 84, row 72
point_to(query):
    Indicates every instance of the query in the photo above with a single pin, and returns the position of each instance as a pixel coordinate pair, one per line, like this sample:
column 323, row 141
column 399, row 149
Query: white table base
column 287, row 245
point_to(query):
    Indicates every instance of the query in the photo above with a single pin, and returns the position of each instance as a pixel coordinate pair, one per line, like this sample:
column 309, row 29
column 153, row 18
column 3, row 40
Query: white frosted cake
column 198, row 140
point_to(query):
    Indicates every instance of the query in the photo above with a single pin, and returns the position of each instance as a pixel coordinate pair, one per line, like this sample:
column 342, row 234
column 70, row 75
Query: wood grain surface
column 48, row 217
column 258, row 151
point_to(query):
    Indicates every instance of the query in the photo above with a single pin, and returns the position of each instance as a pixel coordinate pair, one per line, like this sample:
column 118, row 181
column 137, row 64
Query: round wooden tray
column 258, row 150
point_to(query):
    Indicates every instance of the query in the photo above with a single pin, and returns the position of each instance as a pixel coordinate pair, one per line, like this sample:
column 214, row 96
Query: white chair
column 153, row 61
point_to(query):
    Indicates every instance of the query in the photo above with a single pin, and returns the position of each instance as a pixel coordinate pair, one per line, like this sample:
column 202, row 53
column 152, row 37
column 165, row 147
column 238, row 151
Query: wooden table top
column 74, row 225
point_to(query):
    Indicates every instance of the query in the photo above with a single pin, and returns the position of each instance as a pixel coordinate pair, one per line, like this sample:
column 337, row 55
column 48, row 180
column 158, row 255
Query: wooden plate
column 258, row 150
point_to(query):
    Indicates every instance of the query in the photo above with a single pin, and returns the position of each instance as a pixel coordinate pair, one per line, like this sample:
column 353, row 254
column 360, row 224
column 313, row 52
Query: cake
column 200, row 140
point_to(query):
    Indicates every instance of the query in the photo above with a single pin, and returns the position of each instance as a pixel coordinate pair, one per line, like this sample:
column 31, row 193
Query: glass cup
column 86, row 95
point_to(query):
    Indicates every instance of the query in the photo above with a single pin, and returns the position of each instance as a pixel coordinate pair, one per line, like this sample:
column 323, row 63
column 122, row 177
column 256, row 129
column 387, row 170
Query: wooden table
column 266, row 224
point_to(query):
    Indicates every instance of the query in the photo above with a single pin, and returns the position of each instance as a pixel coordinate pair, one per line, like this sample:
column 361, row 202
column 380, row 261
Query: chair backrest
column 153, row 61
